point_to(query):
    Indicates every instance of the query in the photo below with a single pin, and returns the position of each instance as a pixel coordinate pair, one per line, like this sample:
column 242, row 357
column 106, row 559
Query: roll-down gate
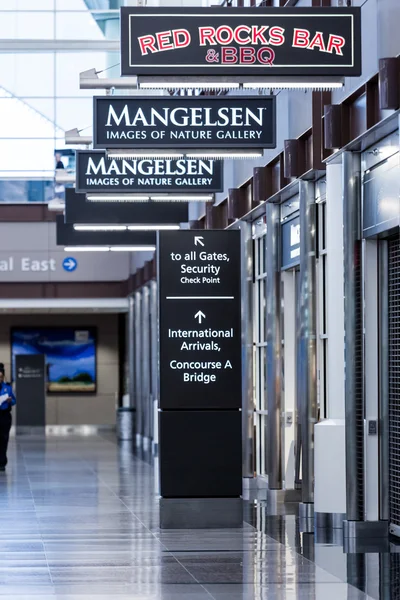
column 394, row 380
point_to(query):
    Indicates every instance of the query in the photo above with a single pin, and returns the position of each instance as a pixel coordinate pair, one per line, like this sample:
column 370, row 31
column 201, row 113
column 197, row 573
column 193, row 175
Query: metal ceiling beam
column 28, row 46
column 90, row 80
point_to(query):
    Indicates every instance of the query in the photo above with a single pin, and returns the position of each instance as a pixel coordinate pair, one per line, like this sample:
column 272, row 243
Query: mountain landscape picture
column 70, row 355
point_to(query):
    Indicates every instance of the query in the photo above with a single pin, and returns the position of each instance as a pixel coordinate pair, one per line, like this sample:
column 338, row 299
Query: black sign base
column 200, row 453
column 31, row 393
column 201, row 513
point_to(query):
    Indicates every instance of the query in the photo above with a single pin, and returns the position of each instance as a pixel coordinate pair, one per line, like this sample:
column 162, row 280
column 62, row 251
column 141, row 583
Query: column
column 154, row 364
column 307, row 350
column 330, row 455
column 247, row 344
column 352, row 327
column 137, row 368
column 145, row 368
column 289, row 397
column 131, row 354
column 274, row 345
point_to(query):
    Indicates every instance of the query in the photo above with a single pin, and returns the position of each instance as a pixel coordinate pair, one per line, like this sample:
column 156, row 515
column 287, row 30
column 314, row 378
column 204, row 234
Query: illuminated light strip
column 116, row 198
column 99, row 227
column 155, row 198
column 225, row 154
column 86, row 248
column 109, row 248
column 207, row 153
column 189, row 85
column 200, row 297
column 318, row 85
column 183, row 198
column 143, row 153
column 132, row 248
column 153, row 227
column 132, row 227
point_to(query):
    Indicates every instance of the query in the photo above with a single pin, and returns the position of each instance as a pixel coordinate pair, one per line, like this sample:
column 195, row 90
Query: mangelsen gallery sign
column 241, row 41
column 184, row 122
column 95, row 172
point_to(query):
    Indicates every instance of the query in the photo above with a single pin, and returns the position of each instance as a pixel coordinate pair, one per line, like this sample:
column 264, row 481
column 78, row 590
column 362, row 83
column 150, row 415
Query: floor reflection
column 79, row 519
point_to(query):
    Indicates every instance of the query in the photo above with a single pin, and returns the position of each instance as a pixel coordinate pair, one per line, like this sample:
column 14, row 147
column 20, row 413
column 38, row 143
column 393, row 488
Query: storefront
column 289, row 359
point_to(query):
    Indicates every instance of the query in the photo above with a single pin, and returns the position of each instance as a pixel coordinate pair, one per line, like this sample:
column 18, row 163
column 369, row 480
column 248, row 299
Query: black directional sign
column 200, row 316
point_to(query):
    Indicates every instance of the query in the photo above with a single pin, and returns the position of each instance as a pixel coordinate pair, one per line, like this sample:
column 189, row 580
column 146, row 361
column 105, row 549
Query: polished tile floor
column 79, row 520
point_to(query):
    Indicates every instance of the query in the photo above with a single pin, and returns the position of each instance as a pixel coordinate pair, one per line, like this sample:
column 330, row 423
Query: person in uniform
column 7, row 401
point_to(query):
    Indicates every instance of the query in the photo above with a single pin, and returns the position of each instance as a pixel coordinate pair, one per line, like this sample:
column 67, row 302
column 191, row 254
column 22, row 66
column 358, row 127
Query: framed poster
column 70, row 352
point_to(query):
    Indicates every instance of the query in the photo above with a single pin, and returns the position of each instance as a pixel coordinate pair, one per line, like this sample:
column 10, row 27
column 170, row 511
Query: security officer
column 7, row 400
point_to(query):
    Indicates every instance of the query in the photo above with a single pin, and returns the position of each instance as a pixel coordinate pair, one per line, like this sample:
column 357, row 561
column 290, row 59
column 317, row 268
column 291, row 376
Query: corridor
column 78, row 519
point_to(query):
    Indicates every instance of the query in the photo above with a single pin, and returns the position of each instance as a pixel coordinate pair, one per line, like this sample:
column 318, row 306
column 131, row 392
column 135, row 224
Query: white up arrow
column 200, row 316
column 198, row 240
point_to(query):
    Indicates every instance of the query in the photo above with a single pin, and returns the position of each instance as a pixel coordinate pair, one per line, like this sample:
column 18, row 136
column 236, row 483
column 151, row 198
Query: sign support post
column 200, row 379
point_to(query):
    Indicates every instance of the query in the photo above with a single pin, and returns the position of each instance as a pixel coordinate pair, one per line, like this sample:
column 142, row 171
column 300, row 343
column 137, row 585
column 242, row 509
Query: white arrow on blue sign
column 70, row 264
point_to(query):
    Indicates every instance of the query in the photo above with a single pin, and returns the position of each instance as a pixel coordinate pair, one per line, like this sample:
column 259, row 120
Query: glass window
column 18, row 120
column 70, row 5
column 74, row 112
column 20, row 5
column 27, row 155
column 39, row 91
column 31, row 25
column 78, row 26
column 27, row 75
column 67, row 73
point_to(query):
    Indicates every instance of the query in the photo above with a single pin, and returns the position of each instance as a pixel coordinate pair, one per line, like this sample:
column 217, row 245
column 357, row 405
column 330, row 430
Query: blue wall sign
column 290, row 236
column 70, row 264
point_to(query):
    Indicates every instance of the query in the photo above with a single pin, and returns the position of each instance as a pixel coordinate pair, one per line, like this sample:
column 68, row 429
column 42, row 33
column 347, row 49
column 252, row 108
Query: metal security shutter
column 394, row 381
column 359, row 390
